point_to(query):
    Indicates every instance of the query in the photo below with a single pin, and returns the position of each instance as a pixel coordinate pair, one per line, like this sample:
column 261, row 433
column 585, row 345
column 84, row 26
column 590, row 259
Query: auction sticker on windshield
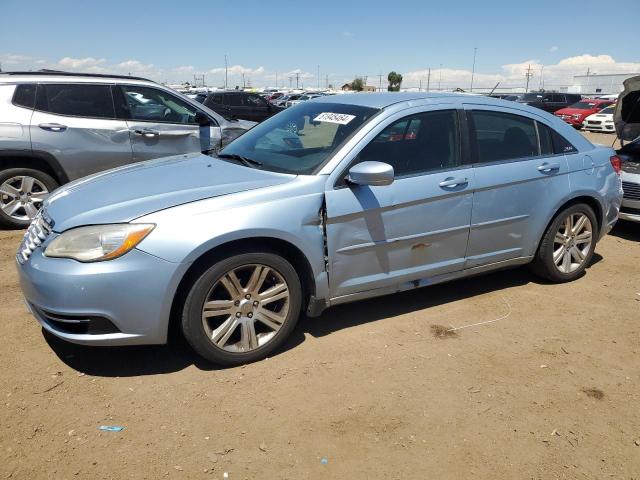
column 341, row 118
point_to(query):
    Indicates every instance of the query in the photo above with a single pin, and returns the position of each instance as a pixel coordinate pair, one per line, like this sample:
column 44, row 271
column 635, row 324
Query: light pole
column 225, row 71
column 473, row 68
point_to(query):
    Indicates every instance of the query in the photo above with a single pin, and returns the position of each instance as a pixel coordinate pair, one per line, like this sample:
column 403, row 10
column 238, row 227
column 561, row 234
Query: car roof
column 386, row 99
column 56, row 76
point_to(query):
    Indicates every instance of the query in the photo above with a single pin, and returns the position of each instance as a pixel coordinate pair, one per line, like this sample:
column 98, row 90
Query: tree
column 357, row 85
column 395, row 80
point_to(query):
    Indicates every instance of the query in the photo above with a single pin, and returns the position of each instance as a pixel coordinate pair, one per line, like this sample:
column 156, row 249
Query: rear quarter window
column 25, row 95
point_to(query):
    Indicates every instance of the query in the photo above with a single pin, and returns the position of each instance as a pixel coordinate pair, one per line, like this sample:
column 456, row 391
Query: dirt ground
column 542, row 382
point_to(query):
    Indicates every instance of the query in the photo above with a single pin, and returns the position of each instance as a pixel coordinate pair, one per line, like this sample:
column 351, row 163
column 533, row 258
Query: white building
column 598, row 84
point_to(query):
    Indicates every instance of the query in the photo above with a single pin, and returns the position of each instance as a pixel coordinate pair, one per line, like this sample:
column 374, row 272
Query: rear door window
column 76, row 100
column 503, row 136
column 552, row 143
column 235, row 100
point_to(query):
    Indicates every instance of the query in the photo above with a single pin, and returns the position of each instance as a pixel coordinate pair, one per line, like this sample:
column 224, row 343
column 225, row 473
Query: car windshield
column 530, row 97
column 300, row 139
column 583, row 105
column 609, row 110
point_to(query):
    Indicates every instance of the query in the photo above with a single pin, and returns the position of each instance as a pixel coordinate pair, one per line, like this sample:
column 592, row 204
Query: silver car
column 627, row 123
column 57, row 127
column 369, row 195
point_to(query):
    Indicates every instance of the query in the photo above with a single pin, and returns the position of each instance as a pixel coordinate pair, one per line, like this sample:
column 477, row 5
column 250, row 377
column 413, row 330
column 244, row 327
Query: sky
column 173, row 41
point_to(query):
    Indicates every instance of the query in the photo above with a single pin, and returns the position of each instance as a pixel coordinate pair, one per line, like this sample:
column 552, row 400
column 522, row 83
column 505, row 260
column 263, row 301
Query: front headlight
column 98, row 242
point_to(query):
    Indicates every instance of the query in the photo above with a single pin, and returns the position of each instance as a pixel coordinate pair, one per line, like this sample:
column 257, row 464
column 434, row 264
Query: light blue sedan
column 334, row 200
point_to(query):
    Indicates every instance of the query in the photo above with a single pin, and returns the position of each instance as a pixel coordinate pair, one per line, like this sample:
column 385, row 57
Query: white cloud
column 347, row 33
column 184, row 69
column 80, row 63
column 134, row 66
column 11, row 59
column 513, row 74
column 238, row 70
column 554, row 48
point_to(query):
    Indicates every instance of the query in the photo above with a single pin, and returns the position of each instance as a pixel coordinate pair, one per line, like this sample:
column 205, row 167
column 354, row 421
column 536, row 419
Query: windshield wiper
column 249, row 162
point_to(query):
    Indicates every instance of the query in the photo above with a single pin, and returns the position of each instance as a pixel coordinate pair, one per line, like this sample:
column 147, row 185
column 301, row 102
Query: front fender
column 185, row 232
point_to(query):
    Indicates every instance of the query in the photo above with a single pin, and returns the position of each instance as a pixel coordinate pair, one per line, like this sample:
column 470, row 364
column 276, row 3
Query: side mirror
column 202, row 120
column 371, row 173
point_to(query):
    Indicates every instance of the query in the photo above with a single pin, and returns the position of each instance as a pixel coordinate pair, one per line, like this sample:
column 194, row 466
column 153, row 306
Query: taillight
column 616, row 163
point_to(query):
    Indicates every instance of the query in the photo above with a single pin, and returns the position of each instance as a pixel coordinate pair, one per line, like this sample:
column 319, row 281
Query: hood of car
column 571, row 111
column 605, row 117
column 627, row 114
column 126, row 193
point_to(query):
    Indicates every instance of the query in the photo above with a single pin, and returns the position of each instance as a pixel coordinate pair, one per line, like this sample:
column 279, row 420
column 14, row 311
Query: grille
column 594, row 122
column 631, row 190
column 37, row 233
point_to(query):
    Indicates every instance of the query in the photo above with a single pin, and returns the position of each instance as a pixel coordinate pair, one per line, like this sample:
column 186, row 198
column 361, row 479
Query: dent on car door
column 76, row 123
column 162, row 124
column 519, row 180
column 417, row 227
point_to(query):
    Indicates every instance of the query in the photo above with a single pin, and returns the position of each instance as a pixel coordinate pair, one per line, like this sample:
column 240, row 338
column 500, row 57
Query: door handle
column 53, row 127
column 548, row 167
column 146, row 132
column 453, row 182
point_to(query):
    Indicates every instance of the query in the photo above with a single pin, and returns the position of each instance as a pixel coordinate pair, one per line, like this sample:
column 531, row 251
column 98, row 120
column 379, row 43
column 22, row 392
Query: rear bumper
column 127, row 299
column 630, row 210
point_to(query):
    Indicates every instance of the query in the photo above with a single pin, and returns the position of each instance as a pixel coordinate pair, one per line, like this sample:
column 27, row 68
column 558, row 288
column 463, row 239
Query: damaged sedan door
column 416, row 227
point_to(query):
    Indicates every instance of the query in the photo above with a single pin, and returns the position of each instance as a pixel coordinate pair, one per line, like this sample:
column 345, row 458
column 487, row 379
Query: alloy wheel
column 21, row 197
column 572, row 242
column 245, row 308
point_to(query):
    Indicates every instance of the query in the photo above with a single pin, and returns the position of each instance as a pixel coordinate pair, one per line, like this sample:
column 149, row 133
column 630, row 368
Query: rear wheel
column 568, row 244
column 22, row 192
column 242, row 308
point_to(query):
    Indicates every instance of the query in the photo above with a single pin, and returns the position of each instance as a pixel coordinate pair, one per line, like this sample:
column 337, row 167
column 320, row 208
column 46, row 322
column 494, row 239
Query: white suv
column 56, row 127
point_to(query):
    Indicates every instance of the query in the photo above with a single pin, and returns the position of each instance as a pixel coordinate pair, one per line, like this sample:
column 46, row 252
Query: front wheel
column 568, row 244
column 22, row 191
column 242, row 308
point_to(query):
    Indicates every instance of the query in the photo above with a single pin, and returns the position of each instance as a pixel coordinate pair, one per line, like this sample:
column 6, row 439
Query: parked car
column 238, row 104
column 233, row 249
column 56, row 127
column 549, row 102
column 627, row 123
column 302, row 98
column 577, row 113
column 274, row 96
column 601, row 121
column 282, row 101
column 200, row 97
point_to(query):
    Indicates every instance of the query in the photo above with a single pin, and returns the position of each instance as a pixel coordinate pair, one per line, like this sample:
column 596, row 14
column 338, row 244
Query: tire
column 572, row 251
column 247, row 323
column 18, row 209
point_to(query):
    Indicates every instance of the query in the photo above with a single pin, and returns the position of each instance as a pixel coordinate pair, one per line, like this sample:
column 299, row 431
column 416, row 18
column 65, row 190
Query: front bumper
column 603, row 127
column 574, row 122
column 130, row 297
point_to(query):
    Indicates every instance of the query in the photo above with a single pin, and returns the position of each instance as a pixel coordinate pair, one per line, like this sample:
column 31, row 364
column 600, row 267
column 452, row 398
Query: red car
column 575, row 114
